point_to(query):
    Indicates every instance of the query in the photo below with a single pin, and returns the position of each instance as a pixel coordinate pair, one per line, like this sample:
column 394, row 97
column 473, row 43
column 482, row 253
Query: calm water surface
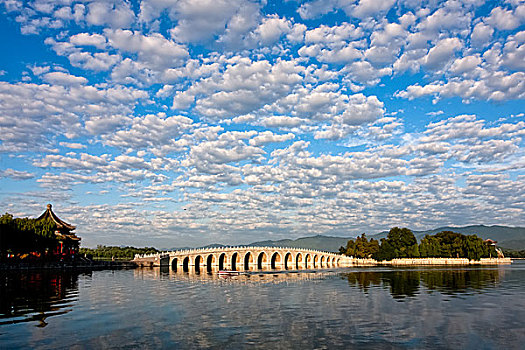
column 365, row 308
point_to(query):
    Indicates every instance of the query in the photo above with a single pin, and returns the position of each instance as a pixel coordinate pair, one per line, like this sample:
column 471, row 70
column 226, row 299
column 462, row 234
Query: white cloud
column 363, row 72
column 242, row 88
column 481, row 35
column 65, row 79
column 153, row 49
column 227, row 20
column 465, row 64
column 504, row 19
column 435, row 113
column 442, row 53
column 85, row 162
column 336, row 34
column 451, row 18
column 269, row 137
column 117, row 14
column 282, row 121
column 73, row 145
column 50, row 110
column 86, row 39
column 371, row 8
column 271, row 29
column 514, row 52
column 316, row 8
column 16, row 174
column 99, row 61
column 497, row 87
column 159, row 133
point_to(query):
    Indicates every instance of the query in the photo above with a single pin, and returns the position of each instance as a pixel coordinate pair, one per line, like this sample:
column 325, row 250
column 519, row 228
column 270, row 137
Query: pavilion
column 68, row 243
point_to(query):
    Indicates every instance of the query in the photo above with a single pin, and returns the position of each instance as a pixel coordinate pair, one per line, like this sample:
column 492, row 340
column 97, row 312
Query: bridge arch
column 186, row 264
column 199, row 261
column 248, row 261
column 235, row 261
column 174, row 264
column 288, row 261
column 276, row 260
column 262, row 260
column 315, row 261
column 307, row 260
column 222, row 261
column 210, row 261
column 298, row 261
column 322, row 261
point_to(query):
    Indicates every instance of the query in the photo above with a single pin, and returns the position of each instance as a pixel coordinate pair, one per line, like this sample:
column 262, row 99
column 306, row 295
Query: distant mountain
column 325, row 243
column 214, row 245
column 507, row 237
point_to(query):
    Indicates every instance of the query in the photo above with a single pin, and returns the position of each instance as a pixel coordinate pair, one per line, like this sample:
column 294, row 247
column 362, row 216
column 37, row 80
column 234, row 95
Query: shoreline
column 95, row 265
column 431, row 262
column 124, row 265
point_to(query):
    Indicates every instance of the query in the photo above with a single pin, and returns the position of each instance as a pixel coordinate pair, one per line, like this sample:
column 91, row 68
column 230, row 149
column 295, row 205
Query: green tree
column 448, row 244
column 350, row 248
column 361, row 247
column 109, row 252
column 373, row 247
column 403, row 242
column 429, row 247
column 24, row 235
column 386, row 251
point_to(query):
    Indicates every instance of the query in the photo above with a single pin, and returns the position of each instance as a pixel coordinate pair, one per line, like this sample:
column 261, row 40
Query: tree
column 386, row 251
column 361, row 247
column 429, row 247
column 403, row 242
column 24, row 235
column 373, row 247
column 108, row 252
column 474, row 247
column 350, row 248
column 448, row 244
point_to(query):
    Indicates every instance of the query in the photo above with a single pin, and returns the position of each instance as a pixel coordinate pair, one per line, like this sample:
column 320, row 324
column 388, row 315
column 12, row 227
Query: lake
column 479, row 307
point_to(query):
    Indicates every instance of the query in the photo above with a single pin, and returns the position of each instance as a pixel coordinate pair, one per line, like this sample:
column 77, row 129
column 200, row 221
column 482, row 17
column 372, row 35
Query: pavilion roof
column 49, row 214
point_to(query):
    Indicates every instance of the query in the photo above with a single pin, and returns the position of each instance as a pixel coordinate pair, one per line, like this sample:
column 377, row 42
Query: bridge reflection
column 401, row 283
column 255, row 277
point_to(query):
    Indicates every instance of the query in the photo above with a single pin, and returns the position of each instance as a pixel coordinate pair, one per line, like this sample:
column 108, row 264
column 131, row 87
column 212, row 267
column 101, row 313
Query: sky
column 189, row 122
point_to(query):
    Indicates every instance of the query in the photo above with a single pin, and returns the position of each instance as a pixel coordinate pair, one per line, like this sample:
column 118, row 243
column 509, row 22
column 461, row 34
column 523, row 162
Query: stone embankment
column 432, row 261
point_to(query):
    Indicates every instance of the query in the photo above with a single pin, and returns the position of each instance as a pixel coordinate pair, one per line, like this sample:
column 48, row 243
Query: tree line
column 110, row 252
column 20, row 236
column 514, row 253
column 401, row 243
column 23, row 237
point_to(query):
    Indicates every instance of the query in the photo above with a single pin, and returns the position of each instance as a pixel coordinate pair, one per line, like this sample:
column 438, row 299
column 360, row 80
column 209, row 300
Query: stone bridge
column 244, row 259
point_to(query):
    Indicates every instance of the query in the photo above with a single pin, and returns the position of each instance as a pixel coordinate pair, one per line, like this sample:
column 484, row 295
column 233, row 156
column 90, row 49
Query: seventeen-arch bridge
column 247, row 258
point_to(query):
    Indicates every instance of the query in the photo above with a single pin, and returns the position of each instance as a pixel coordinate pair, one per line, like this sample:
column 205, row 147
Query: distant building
column 493, row 243
column 68, row 242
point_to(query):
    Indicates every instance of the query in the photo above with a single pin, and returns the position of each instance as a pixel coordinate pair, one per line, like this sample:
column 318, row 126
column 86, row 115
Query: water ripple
column 376, row 308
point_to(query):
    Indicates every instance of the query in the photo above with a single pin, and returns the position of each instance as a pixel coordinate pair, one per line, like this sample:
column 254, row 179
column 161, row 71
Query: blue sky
column 184, row 123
